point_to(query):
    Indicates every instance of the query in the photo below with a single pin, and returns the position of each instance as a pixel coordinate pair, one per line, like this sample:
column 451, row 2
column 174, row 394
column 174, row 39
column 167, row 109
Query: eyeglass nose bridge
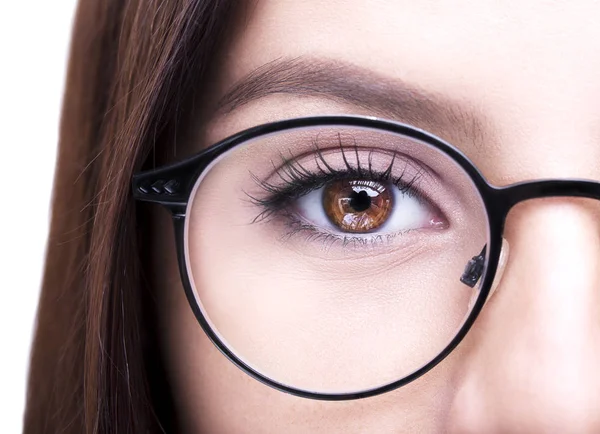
column 502, row 199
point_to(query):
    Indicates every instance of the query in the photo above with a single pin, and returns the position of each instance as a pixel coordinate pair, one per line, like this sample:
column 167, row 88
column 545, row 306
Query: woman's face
column 515, row 86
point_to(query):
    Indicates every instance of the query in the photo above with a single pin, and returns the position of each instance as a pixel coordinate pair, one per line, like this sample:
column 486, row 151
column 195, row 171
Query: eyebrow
column 378, row 94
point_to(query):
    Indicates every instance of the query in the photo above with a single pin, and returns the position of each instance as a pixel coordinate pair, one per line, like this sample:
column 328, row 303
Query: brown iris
column 357, row 206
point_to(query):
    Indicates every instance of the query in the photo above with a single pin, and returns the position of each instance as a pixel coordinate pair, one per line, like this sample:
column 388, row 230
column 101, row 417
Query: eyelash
column 297, row 181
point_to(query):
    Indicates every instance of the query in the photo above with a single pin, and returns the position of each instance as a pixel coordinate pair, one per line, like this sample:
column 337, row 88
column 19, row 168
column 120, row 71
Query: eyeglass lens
column 330, row 258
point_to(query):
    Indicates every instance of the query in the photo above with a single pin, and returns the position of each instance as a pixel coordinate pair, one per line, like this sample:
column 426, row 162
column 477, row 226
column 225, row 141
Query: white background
column 34, row 43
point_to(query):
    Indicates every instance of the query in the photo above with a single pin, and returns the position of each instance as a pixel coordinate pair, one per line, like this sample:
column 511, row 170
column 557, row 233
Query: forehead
column 494, row 51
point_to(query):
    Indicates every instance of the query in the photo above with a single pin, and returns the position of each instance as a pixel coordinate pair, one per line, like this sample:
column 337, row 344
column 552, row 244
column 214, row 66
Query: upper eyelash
column 298, row 181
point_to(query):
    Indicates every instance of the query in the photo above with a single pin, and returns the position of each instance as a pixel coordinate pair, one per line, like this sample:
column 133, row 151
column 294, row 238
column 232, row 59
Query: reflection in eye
column 349, row 193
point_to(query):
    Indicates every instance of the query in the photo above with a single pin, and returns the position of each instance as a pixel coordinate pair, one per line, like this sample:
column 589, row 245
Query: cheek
column 213, row 395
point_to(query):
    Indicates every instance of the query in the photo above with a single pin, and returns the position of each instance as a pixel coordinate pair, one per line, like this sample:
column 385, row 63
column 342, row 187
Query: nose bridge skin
column 530, row 362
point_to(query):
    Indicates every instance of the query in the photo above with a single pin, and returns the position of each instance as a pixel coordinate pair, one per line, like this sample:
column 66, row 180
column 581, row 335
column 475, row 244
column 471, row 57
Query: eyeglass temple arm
column 474, row 269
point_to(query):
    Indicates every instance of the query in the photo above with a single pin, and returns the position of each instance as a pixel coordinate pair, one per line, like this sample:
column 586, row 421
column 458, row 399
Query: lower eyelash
column 296, row 227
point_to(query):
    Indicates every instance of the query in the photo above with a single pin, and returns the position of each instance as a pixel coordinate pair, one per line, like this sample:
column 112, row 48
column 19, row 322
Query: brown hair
column 133, row 66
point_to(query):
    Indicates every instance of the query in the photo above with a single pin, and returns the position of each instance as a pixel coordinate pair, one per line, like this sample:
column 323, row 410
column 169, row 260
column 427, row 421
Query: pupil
column 360, row 201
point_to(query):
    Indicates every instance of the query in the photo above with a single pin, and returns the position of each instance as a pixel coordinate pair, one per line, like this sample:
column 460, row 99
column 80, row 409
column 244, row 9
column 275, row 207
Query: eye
column 365, row 206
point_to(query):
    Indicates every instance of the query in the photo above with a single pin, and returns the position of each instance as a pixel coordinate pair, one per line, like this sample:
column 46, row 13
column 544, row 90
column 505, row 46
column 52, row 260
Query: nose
column 531, row 363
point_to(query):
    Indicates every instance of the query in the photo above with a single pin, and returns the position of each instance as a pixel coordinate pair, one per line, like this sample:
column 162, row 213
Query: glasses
column 337, row 257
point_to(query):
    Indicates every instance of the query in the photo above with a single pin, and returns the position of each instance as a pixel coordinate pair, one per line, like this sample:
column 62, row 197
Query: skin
column 530, row 71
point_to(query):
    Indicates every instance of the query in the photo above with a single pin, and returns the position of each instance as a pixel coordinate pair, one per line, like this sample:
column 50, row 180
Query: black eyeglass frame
column 172, row 185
